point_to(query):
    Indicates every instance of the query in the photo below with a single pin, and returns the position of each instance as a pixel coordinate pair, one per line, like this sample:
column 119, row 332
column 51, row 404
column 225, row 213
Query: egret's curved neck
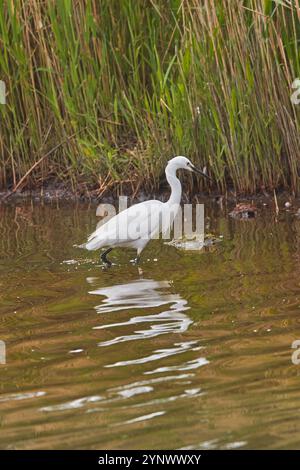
column 175, row 185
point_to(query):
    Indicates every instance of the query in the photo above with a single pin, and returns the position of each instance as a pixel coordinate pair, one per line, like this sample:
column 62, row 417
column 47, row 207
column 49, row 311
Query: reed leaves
column 137, row 81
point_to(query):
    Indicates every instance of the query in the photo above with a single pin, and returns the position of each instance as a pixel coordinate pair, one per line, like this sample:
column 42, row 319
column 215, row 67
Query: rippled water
column 191, row 351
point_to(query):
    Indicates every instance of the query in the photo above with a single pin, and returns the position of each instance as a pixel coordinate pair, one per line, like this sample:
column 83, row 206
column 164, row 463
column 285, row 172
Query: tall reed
column 116, row 87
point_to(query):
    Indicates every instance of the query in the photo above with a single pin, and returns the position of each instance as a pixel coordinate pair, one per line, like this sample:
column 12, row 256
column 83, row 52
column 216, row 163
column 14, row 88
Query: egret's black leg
column 138, row 256
column 104, row 258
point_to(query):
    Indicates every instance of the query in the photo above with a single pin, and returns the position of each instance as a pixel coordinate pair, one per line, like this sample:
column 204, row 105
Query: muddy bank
column 230, row 201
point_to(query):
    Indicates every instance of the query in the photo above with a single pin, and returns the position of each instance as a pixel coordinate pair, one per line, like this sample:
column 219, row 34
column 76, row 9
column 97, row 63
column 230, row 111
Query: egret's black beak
column 200, row 172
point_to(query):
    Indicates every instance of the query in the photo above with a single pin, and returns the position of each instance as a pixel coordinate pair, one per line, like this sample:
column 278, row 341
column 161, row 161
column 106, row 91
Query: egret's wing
column 138, row 221
column 143, row 220
column 106, row 233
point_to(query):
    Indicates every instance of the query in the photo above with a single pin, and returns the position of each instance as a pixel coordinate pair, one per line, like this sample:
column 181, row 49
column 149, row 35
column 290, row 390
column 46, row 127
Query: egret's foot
column 140, row 271
column 107, row 264
column 104, row 258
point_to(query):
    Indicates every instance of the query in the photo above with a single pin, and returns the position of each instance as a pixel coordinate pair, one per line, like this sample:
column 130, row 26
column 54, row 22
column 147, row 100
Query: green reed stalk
column 138, row 81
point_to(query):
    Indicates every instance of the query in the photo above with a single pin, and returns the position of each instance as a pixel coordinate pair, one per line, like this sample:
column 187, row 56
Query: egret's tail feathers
column 92, row 235
column 80, row 246
column 93, row 244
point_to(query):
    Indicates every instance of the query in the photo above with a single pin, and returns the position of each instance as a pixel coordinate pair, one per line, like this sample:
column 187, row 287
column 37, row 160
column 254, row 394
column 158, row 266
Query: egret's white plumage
column 135, row 226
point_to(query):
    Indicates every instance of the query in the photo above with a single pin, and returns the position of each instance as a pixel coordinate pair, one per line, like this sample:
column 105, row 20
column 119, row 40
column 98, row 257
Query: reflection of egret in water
column 163, row 312
column 148, row 294
column 142, row 294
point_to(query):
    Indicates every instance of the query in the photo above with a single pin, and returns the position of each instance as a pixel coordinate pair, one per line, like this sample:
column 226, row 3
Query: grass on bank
column 109, row 90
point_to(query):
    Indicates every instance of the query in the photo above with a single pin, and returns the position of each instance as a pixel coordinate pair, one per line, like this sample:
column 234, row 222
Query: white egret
column 135, row 226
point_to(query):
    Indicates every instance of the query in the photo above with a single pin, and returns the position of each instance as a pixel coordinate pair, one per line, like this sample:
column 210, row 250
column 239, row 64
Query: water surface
column 191, row 350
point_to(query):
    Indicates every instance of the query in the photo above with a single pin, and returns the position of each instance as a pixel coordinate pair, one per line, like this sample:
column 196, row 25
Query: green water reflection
column 190, row 351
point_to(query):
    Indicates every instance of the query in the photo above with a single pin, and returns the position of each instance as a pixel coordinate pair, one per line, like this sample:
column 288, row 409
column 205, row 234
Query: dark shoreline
column 64, row 195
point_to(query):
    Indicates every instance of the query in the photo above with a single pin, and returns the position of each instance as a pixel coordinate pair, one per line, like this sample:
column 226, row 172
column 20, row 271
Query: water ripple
column 74, row 404
column 21, row 396
column 189, row 365
column 143, row 294
column 159, row 354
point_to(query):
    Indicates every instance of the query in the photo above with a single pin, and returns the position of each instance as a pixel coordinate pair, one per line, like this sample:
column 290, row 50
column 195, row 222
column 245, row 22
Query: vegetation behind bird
column 135, row 82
